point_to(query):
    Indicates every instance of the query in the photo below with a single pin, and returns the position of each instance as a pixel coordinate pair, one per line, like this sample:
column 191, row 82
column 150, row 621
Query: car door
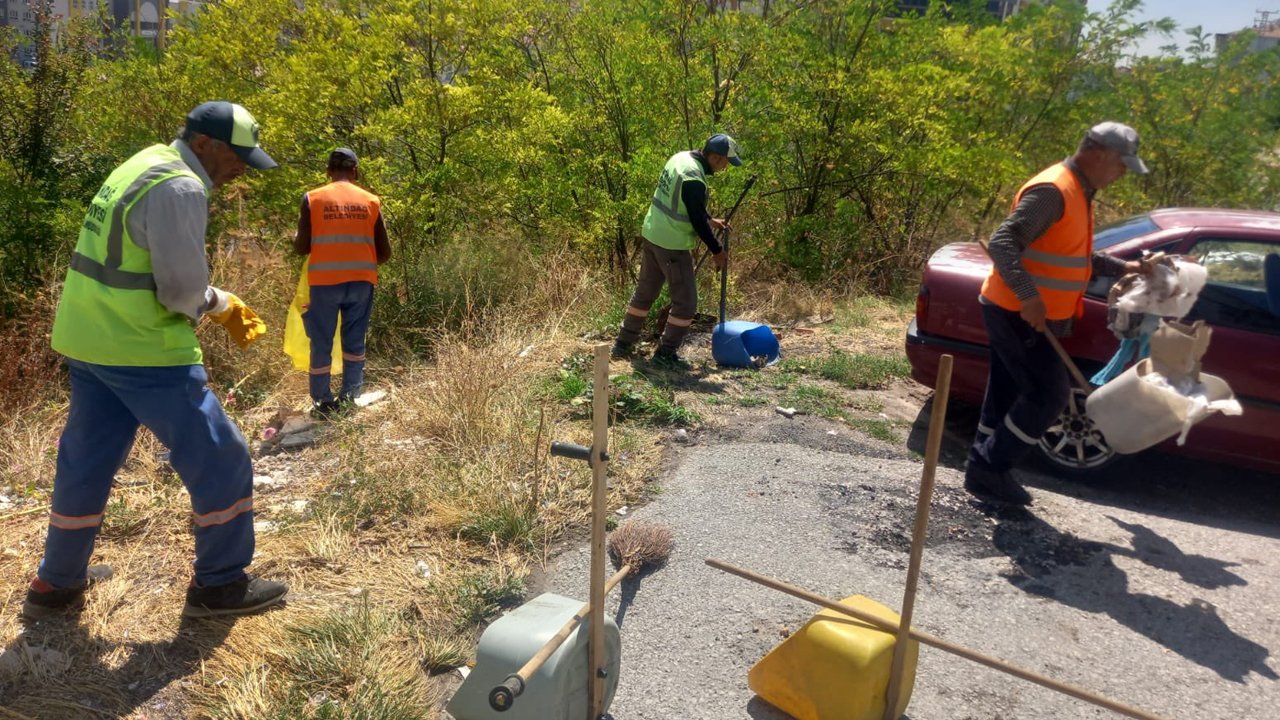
column 1245, row 348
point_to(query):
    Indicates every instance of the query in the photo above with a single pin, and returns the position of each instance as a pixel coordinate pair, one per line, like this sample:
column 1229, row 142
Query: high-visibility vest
column 343, row 218
column 1060, row 261
column 108, row 313
column 667, row 223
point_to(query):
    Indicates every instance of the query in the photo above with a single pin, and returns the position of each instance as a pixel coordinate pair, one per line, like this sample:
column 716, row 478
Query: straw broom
column 634, row 547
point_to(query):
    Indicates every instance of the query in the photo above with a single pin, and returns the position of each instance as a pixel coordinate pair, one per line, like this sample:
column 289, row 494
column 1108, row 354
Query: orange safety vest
column 1060, row 261
column 343, row 217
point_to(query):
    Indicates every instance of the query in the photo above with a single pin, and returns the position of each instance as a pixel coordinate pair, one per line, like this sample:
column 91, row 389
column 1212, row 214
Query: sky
column 1214, row 16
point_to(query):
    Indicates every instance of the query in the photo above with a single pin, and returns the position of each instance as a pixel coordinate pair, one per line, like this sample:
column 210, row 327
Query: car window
column 1237, row 263
column 1235, row 294
column 1118, row 232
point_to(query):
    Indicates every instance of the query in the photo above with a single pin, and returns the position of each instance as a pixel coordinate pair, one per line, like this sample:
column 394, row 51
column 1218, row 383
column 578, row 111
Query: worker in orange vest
column 341, row 227
column 1042, row 256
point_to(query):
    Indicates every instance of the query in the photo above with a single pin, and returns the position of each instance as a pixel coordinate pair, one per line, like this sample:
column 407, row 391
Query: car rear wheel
column 1073, row 444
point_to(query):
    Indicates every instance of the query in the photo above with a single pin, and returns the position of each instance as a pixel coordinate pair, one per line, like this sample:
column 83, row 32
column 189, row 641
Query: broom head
column 640, row 545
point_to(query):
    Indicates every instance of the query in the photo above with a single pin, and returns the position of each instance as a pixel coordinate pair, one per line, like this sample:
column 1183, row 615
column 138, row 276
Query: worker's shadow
column 1083, row 575
column 60, row 658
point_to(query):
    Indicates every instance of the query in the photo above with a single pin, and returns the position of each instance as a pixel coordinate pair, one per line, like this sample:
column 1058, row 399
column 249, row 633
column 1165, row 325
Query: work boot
column 669, row 360
column 245, row 596
column 46, row 601
column 327, row 410
column 995, row 487
column 621, row 350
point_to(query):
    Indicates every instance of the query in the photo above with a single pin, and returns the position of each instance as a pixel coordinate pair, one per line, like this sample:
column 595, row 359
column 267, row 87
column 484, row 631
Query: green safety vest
column 109, row 314
column 667, row 222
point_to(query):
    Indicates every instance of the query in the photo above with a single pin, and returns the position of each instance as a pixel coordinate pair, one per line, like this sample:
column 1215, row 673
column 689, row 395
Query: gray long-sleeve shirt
column 1040, row 207
column 170, row 222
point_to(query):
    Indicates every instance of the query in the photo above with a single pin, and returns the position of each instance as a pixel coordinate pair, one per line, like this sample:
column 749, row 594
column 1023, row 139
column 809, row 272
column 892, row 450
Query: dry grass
column 401, row 533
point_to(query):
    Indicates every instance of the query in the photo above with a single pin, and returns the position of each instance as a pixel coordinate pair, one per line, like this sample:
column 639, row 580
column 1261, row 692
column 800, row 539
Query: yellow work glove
column 241, row 323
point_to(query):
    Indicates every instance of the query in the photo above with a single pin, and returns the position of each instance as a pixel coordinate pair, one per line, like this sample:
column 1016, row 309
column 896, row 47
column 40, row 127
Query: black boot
column 992, row 486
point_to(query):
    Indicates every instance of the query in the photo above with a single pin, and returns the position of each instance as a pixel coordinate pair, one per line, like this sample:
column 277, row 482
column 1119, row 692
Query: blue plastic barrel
column 737, row 342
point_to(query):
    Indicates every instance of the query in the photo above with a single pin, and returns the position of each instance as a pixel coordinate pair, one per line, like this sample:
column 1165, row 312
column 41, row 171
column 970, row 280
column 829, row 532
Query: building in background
column 1000, row 9
column 1266, row 29
column 140, row 18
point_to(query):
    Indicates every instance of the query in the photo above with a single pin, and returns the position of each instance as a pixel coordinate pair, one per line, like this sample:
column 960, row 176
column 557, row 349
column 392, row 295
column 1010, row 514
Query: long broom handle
column 890, row 627
column 933, row 447
column 724, row 277
column 1071, row 364
column 502, row 697
column 742, row 195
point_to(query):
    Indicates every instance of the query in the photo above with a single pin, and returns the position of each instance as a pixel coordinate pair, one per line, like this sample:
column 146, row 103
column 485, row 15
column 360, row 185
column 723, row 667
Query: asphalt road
column 1155, row 585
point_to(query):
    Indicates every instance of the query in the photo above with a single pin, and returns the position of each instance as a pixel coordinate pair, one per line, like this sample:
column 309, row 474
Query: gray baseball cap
column 1121, row 139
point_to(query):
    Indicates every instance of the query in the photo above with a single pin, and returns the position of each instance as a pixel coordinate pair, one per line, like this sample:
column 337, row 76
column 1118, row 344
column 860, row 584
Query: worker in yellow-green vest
column 676, row 220
column 138, row 283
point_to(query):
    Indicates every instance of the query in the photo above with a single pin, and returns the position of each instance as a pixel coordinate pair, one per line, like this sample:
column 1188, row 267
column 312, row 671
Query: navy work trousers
column 108, row 403
column 1027, row 389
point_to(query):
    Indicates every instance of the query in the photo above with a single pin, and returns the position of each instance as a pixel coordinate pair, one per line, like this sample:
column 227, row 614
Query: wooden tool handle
column 502, row 697
column 599, row 511
column 933, row 447
column 891, row 627
column 1084, row 384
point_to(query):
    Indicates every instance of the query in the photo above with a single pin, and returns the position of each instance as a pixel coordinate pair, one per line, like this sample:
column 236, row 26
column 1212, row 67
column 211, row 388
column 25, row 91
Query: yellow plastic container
column 835, row 667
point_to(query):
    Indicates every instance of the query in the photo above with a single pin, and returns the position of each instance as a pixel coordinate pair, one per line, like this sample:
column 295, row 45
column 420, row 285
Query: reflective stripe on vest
column 343, row 221
column 108, row 313
column 667, row 224
column 1060, row 261
column 109, row 273
column 671, row 210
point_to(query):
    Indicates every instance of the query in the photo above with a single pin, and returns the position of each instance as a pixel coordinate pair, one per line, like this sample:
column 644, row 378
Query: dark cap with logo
column 343, row 159
column 233, row 125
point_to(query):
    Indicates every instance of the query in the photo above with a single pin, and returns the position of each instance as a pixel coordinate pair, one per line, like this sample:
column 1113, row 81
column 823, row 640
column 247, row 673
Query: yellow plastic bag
column 296, row 343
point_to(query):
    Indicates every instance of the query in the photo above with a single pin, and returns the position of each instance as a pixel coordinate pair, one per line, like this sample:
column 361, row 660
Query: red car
column 1241, row 301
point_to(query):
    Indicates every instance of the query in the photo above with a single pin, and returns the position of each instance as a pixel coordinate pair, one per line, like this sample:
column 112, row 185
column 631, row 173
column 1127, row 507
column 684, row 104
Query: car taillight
column 922, row 304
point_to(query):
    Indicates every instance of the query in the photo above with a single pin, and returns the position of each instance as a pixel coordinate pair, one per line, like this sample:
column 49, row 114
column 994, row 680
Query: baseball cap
column 343, row 159
column 1121, row 139
column 722, row 144
column 233, row 125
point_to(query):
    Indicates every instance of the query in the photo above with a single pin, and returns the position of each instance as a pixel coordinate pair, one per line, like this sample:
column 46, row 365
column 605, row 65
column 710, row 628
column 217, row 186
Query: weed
column 570, row 385
column 814, row 400
column 634, row 397
column 123, row 520
column 753, row 400
column 440, row 654
column 509, row 522
column 781, row 380
column 482, row 593
column 878, row 429
column 349, row 662
column 859, row 371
